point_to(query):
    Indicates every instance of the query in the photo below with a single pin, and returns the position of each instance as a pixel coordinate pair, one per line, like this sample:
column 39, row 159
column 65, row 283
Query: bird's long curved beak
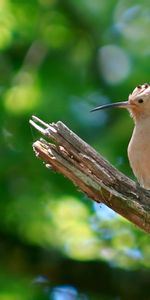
column 123, row 104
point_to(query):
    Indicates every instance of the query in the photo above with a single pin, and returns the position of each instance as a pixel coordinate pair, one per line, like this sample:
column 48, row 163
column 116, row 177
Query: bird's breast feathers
column 139, row 156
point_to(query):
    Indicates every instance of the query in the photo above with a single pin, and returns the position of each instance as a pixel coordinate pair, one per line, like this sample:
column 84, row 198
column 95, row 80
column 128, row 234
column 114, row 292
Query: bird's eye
column 140, row 100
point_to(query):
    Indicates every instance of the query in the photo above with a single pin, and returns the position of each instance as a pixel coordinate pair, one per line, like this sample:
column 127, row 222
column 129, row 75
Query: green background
column 58, row 60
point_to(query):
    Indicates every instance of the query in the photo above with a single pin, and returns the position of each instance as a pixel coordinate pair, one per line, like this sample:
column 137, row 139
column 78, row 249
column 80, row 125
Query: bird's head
column 138, row 103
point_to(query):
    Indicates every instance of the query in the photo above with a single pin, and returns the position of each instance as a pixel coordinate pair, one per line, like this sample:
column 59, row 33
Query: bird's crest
column 142, row 89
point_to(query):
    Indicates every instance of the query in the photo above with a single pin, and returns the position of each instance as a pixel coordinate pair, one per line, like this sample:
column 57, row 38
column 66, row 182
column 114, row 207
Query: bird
column 138, row 105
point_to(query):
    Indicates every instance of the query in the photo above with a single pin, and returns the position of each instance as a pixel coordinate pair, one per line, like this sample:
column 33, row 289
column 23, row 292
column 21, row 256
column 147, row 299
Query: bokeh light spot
column 22, row 97
column 114, row 64
column 6, row 24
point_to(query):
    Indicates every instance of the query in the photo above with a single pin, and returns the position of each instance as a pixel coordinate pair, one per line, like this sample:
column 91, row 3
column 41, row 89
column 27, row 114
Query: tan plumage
column 138, row 105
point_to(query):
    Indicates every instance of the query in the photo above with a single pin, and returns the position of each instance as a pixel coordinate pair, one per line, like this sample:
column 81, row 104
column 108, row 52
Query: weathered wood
column 68, row 154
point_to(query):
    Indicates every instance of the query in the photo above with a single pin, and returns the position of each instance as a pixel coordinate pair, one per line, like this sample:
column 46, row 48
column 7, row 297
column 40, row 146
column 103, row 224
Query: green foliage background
column 59, row 59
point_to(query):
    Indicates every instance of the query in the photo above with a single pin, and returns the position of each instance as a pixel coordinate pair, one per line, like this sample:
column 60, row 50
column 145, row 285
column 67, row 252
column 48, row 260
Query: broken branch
column 68, row 154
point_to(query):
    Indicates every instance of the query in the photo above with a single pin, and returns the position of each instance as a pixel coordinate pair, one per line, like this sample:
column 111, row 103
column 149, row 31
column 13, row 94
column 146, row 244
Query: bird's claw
column 141, row 191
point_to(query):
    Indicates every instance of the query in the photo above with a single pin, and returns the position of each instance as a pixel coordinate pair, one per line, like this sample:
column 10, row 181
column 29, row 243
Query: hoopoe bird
column 138, row 105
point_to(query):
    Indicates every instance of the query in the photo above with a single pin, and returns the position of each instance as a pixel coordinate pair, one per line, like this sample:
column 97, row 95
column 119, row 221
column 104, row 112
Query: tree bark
column 68, row 154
